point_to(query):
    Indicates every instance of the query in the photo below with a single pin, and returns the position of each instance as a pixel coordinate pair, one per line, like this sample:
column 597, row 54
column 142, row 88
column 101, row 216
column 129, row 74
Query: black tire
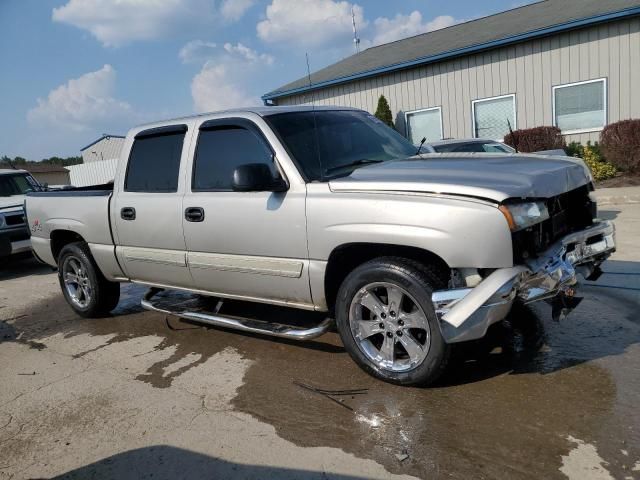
column 104, row 294
column 419, row 281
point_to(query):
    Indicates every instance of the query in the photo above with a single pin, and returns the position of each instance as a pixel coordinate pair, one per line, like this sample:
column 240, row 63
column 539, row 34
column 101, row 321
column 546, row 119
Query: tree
column 383, row 112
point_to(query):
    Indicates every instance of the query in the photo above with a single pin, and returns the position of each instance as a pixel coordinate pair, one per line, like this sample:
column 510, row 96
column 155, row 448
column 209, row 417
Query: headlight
column 522, row 215
column 2, row 221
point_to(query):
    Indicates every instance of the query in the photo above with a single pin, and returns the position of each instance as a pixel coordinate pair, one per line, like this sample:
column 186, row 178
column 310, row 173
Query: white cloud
column 118, row 22
column 82, row 103
column 221, row 83
column 247, row 53
column 309, row 22
column 403, row 26
column 216, row 88
column 235, row 9
column 197, row 51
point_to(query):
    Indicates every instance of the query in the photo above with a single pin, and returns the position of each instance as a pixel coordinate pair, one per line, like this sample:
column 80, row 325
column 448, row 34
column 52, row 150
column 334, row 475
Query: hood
column 13, row 201
column 481, row 175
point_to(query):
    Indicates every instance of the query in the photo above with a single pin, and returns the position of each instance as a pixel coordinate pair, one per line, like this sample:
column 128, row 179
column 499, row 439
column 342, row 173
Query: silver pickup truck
column 329, row 210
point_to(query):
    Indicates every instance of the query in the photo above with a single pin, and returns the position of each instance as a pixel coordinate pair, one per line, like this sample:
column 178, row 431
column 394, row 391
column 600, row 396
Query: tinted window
column 459, row 147
column 331, row 143
column 154, row 163
column 221, row 150
column 498, row 147
column 473, row 147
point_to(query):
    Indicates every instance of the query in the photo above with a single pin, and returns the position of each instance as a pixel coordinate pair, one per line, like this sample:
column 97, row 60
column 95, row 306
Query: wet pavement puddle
column 521, row 411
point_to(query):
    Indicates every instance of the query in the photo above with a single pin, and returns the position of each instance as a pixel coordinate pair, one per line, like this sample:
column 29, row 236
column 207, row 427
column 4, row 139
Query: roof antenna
column 356, row 40
column 309, row 78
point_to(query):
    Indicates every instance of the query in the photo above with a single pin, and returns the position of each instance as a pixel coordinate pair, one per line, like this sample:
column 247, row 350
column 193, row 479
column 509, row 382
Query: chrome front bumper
column 466, row 313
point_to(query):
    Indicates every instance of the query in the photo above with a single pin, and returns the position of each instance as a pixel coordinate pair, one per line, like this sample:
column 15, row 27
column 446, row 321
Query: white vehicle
column 14, row 231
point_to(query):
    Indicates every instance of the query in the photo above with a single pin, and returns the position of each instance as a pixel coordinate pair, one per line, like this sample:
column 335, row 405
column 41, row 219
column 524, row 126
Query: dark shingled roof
column 537, row 19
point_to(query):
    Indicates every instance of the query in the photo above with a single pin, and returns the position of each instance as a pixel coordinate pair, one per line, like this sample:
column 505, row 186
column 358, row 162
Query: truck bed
column 84, row 211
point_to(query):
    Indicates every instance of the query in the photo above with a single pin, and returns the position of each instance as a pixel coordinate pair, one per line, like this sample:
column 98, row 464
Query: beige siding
column 106, row 149
column 529, row 70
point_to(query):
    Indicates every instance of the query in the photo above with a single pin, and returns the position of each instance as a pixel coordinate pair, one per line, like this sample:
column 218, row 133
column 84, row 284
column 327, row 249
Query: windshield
column 17, row 184
column 488, row 147
column 330, row 143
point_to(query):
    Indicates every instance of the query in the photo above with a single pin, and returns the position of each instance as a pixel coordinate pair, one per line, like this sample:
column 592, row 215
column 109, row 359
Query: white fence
column 94, row 173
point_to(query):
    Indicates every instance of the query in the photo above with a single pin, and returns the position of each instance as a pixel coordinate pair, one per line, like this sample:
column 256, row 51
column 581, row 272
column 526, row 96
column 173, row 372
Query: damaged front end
column 466, row 313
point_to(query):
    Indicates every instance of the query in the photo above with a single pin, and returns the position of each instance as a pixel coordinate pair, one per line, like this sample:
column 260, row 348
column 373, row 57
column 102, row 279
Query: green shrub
column 383, row 112
column 535, row 139
column 621, row 144
column 592, row 156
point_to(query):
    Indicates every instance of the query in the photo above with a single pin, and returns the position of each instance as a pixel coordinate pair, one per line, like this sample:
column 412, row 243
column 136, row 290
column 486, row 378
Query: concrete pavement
column 138, row 395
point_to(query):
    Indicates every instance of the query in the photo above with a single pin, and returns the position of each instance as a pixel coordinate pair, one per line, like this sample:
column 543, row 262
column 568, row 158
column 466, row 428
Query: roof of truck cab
column 7, row 171
column 263, row 111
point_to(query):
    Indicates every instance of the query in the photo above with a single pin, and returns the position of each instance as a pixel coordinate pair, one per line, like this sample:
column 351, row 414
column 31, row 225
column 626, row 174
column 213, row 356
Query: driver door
column 247, row 245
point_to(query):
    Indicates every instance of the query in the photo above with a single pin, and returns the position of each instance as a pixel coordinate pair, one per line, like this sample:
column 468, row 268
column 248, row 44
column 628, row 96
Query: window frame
column 488, row 99
column 605, row 94
column 420, row 110
column 237, row 122
column 164, row 130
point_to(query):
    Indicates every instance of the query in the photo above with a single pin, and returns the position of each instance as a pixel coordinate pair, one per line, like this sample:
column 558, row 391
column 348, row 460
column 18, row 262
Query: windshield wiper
column 362, row 161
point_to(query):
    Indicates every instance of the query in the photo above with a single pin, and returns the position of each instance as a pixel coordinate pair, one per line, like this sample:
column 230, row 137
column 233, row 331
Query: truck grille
column 14, row 219
column 568, row 212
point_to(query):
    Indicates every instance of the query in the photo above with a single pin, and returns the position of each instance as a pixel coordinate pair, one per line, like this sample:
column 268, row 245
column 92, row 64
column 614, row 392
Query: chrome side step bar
column 237, row 323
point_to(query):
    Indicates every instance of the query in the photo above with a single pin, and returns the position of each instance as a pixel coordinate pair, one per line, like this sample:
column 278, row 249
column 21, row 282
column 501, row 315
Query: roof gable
column 523, row 23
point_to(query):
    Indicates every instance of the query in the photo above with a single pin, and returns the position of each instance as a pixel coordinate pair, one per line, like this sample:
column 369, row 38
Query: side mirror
column 257, row 177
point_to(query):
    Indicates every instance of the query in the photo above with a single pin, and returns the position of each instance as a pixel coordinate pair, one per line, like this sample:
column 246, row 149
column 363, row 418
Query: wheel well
column 345, row 258
column 60, row 238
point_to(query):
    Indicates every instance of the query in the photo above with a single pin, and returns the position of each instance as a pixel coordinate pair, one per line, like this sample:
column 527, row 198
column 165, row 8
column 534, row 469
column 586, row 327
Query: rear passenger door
column 147, row 211
column 250, row 245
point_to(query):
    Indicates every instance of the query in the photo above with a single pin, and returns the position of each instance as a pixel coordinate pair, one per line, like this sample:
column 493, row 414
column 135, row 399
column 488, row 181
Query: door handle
column 128, row 213
column 194, row 214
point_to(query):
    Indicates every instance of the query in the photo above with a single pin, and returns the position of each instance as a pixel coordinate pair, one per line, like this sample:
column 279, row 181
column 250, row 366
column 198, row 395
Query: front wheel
column 83, row 285
column 387, row 322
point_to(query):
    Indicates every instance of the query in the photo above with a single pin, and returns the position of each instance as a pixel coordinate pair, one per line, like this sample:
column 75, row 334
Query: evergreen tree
column 383, row 112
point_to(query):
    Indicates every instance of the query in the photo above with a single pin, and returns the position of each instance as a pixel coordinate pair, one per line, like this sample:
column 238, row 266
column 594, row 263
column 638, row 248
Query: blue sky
column 73, row 69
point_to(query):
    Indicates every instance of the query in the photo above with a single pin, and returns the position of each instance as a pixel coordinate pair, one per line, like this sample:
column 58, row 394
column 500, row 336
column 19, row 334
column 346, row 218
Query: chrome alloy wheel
column 389, row 326
column 76, row 281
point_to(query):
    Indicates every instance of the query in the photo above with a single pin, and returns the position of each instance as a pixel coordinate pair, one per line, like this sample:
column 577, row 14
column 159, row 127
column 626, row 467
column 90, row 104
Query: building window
column 492, row 116
column 580, row 107
column 426, row 123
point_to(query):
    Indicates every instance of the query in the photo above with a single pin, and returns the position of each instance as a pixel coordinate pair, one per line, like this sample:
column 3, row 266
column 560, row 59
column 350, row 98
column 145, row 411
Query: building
column 47, row 174
column 106, row 147
column 570, row 63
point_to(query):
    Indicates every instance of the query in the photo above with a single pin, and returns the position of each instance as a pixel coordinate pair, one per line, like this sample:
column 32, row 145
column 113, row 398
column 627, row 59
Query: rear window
column 154, row 162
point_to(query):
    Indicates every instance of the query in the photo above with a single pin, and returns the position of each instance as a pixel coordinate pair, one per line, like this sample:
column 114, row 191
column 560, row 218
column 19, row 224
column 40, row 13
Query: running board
column 237, row 323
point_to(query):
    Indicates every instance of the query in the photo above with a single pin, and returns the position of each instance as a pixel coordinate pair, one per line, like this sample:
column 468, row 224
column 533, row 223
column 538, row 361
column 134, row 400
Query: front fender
column 463, row 232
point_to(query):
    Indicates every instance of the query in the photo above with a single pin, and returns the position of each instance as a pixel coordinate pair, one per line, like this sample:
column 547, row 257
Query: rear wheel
column 83, row 285
column 387, row 322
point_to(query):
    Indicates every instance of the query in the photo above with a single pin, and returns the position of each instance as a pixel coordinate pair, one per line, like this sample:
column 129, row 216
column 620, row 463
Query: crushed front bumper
column 466, row 313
